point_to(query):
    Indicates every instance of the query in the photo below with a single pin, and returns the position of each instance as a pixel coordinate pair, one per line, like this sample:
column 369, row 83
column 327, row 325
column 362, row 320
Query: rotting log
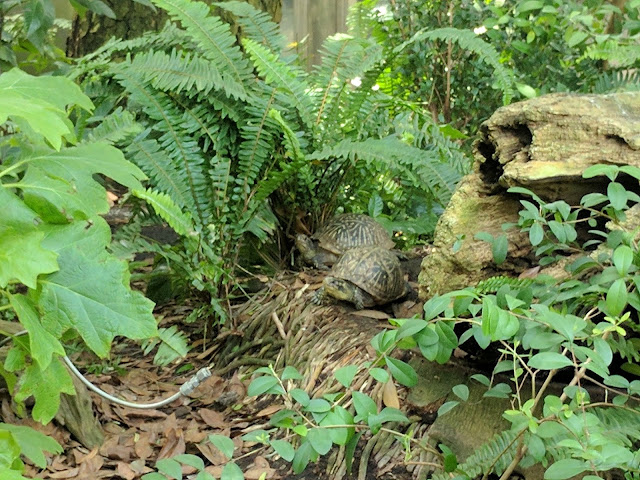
column 76, row 414
column 543, row 144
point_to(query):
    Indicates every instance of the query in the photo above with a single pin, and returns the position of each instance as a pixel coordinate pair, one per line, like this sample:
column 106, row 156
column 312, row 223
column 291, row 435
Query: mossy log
column 543, row 144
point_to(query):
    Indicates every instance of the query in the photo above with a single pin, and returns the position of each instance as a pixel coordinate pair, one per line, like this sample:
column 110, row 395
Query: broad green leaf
column 191, row 460
column 364, row 405
column 231, row 471
column 401, row 371
column 170, row 468
column 9, row 448
column 617, row 297
column 22, row 257
column 450, row 462
column 153, row 476
column 566, row 468
column 549, row 361
column 603, row 349
column 318, row 405
column 529, row 5
column 338, row 416
column 319, row 440
column 98, row 7
column 617, row 195
column 92, row 296
column 499, row 249
column 42, row 344
column 410, row 327
column 389, row 414
column 448, row 338
column 375, row 205
column 224, row 444
column 447, row 406
column 576, row 38
column 7, row 473
column 290, row 373
column 536, row 234
column 283, row 448
column 46, row 387
column 527, row 91
column 300, row 396
column 380, row 374
column 345, row 374
column 435, row 306
column 622, row 259
column 461, row 391
column 303, row 456
column 261, row 385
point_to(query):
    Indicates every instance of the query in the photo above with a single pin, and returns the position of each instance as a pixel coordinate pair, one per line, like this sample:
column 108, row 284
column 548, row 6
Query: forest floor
column 134, row 440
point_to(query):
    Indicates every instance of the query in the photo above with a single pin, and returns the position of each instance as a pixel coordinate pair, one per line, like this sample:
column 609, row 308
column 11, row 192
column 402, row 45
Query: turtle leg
column 362, row 299
column 318, row 297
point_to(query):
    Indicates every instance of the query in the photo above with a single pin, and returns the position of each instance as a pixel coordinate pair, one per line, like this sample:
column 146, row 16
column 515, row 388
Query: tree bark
column 132, row 20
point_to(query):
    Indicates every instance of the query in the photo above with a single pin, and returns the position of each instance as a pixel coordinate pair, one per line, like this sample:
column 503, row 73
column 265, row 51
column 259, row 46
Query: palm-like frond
column 215, row 41
column 256, row 24
column 164, row 206
column 285, row 77
column 468, row 40
column 620, row 55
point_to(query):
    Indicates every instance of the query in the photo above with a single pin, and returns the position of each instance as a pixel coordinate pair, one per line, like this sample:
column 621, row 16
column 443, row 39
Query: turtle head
column 305, row 246
column 338, row 288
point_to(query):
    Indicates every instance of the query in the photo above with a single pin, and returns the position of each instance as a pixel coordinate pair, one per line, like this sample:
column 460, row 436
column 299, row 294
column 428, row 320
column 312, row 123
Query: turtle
column 364, row 276
column 340, row 234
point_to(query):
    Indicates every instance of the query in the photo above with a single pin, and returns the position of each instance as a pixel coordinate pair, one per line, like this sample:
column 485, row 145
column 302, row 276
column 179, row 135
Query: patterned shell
column 351, row 230
column 375, row 270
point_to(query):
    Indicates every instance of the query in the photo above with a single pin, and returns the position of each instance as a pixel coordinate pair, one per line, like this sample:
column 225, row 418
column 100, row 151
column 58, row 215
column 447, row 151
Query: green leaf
column 380, row 374
column 319, row 440
column 231, row 471
column 375, row 205
column 18, row 235
column 461, row 391
column 318, row 405
column 98, row 7
column 447, row 406
column 623, row 259
column 528, row 5
column 447, row 336
column 338, row 416
column 410, row 327
column 191, row 460
column 389, row 414
column 180, row 221
column 32, row 443
column 536, row 234
column 261, row 385
column 617, row 195
column 450, row 462
column 364, row 406
column 527, row 91
column 290, row 373
column 302, row 457
column 92, row 296
column 499, row 248
column 549, row 361
column 345, row 374
column 300, row 396
column 401, row 371
column 224, row 444
column 576, row 38
column 617, row 297
column 9, row 449
column 283, row 448
column 45, row 386
column 42, row 344
column 170, row 468
column 435, row 306
column 565, row 468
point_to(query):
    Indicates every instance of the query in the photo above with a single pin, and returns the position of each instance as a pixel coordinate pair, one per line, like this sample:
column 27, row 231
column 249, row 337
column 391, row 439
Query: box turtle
column 364, row 276
column 342, row 233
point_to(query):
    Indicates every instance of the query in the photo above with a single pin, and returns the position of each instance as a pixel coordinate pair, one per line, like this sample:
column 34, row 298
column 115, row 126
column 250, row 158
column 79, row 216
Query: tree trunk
column 133, row 19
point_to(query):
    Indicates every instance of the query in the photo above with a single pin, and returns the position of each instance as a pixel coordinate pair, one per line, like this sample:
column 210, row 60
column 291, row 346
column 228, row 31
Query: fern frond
column 215, row 41
column 256, row 24
column 611, row 50
column 285, row 77
column 620, row 425
column 149, row 156
column 181, row 148
column 115, row 127
column 421, row 168
column 174, row 345
column 618, row 81
column 177, row 72
column 180, row 221
column 493, row 284
column 468, row 40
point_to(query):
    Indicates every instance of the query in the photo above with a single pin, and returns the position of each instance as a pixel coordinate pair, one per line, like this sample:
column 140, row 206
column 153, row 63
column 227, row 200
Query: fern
column 285, row 77
column 256, row 25
column 618, row 81
column 493, row 456
column 470, row 41
column 173, row 345
column 622, row 56
column 493, row 284
column 180, row 221
column 215, row 41
column 115, row 127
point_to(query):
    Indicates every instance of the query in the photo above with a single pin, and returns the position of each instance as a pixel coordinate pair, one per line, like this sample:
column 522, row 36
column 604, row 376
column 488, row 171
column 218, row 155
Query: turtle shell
column 375, row 270
column 352, row 230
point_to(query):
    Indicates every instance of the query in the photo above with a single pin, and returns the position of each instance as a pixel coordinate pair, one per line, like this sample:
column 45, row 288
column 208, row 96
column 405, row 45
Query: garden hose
column 185, row 389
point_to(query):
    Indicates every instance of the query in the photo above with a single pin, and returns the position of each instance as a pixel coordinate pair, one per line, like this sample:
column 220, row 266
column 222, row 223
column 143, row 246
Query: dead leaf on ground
column 174, row 444
column 390, row 395
column 143, row 444
column 270, row 410
column 123, row 470
column 212, row 418
column 377, row 314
